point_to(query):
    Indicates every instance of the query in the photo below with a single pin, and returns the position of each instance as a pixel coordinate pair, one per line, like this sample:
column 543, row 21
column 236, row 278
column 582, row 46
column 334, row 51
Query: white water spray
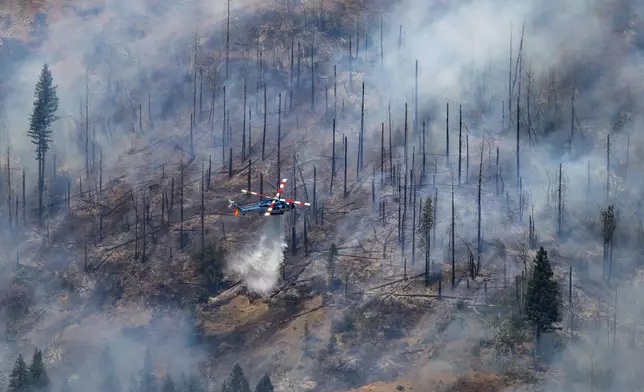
column 259, row 264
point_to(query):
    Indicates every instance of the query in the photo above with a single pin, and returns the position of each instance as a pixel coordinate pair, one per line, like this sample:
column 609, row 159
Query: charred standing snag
column 243, row 151
column 24, row 201
column 497, row 173
column 227, row 39
column 181, row 233
column 447, row 133
column 453, row 239
column 479, row 248
column 279, row 138
column 391, row 159
column 230, row 162
column 294, row 212
column 223, row 131
column 413, row 221
column 312, row 79
column 607, row 167
column 467, row 158
column 332, row 161
column 264, row 129
column 559, row 202
column 460, row 142
column 335, row 92
column 350, row 63
column 405, row 146
column 209, row 178
column 314, row 190
column 345, row 167
column 249, row 173
column 423, row 171
column 299, row 61
column 361, row 148
column 382, row 56
column 416, row 101
column 250, row 132
column 382, row 154
column 290, row 85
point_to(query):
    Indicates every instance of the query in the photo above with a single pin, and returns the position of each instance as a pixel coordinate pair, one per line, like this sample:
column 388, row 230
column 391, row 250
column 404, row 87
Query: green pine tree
column 237, row 381
column 543, row 296
column 168, row 384
column 265, row 385
column 19, row 377
column 109, row 378
column 330, row 262
column 38, row 377
column 43, row 116
column 426, row 225
column 147, row 378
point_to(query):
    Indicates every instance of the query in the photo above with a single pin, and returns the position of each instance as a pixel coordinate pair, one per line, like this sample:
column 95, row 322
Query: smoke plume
column 259, row 264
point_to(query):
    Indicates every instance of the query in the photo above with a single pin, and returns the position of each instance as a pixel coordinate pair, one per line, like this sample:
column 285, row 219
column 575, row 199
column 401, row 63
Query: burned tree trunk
column 559, row 202
column 447, row 133
column 181, row 233
column 203, row 213
column 382, row 154
column 361, row 148
column 264, row 129
column 314, row 191
column 460, row 142
column 230, row 162
column 24, row 201
column 479, row 244
column 333, row 158
column 243, row 150
column 345, row 167
column 453, row 239
column 279, row 137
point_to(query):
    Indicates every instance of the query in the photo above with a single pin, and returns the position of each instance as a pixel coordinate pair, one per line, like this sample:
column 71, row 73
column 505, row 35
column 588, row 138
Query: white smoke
column 259, row 264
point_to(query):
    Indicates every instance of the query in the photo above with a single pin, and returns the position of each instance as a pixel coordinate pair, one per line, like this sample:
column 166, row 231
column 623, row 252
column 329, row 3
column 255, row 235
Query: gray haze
column 138, row 50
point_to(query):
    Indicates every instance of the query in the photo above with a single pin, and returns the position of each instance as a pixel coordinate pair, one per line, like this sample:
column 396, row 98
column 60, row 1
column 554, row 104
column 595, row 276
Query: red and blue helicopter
column 270, row 205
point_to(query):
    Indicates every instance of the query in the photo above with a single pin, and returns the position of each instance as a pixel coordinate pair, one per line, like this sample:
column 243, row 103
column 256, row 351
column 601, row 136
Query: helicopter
column 269, row 205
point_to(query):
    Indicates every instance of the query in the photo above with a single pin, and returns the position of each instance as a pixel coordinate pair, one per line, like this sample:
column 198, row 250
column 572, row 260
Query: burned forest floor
column 145, row 250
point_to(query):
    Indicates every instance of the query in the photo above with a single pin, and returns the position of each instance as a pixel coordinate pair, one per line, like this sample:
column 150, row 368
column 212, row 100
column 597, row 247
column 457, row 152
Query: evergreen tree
column 426, row 225
column 38, row 378
column 19, row 377
column 42, row 118
column 543, row 296
column 265, row 385
column 330, row 262
column 147, row 378
column 168, row 384
column 237, row 381
column 109, row 378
